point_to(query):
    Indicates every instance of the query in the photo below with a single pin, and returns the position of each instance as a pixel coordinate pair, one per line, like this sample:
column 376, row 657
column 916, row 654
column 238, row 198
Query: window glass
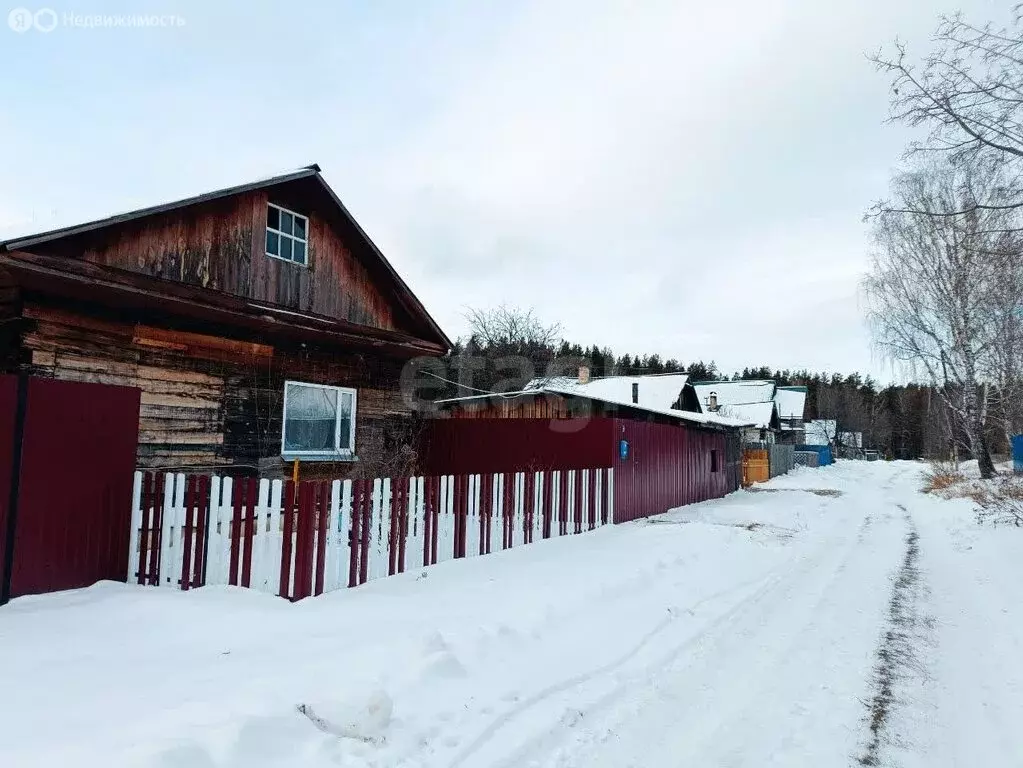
column 310, row 418
column 345, row 417
column 287, row 234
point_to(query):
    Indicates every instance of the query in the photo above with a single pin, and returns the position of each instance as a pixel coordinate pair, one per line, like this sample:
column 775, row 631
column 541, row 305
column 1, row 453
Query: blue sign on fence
column 623, row 449
column 1017, row 454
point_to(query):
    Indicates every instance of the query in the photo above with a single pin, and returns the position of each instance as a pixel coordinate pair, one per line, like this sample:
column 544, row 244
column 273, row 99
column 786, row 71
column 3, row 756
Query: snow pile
column 741, row 631
column 363, row 719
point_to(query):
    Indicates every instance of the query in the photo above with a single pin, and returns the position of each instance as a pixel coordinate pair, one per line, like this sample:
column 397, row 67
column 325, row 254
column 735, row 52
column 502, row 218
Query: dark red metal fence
column 66, row 476
column 667, row 466
column 501, row 445
column 668, row 463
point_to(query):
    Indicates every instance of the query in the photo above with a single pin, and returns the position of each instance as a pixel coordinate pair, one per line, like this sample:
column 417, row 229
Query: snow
column 791, row 402
column 757, row 414
column 741, row 631
column 735, row 392
column 660, row 391
column 561, row 386
column 750, row 401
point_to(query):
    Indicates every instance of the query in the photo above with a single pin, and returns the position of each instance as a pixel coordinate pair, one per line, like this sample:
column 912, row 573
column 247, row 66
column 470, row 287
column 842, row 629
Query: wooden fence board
column 305, row 539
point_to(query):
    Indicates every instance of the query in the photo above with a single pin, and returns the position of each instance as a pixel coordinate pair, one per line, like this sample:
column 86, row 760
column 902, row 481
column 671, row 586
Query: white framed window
column 287, row 235
column 319, row 422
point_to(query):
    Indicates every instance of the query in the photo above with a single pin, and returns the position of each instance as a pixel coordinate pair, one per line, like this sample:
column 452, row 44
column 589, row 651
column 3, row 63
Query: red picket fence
column 298, row 540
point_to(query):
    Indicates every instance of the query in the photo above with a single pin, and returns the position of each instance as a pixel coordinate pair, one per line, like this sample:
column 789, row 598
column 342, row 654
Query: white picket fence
column 263, row 570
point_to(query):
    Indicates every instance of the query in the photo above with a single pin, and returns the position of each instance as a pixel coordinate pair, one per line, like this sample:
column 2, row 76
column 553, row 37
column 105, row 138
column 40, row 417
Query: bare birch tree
column 935, row 287
column 968, row 96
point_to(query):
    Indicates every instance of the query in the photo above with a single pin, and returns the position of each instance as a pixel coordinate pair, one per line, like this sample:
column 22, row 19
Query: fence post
column 403, row 502
column 355, row 536
column 187, row 533
column 578, row 501
column 272, row 538
column 529, row 509
column 304, row 542
column 322, row 511
column 435, row 518
column 367, row 531
column 145, row 528
column 288, row 504
column 591, row 499
column 486, row 484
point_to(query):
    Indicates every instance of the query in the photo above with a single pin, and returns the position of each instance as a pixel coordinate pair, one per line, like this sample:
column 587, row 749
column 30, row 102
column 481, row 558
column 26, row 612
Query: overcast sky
column 674, row 177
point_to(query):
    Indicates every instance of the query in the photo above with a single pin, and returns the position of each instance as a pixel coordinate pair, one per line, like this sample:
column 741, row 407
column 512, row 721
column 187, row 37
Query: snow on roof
column 655, row 391
column 757, row 414
column 791, row 402
column 735, row 392
column 567, row 386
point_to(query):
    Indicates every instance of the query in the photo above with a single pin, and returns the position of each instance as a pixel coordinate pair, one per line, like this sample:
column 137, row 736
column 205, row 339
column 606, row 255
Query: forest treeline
column 507, row 347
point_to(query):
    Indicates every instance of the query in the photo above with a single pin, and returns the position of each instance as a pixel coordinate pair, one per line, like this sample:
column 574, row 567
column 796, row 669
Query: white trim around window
column 312, row 441
column 287, row 235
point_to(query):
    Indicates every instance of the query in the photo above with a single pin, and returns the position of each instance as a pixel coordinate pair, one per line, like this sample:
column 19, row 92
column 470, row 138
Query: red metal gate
column 67, row 457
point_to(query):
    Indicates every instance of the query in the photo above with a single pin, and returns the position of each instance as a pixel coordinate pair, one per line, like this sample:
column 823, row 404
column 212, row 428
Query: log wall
column 209, row 400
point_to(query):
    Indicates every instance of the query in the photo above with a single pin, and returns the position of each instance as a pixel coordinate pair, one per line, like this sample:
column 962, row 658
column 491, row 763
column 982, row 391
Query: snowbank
column 738, row 631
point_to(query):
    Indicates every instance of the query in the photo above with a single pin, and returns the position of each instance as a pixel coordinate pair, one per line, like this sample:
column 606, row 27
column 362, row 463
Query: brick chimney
column 712, row 402
column 584, row 374
column 635, row 392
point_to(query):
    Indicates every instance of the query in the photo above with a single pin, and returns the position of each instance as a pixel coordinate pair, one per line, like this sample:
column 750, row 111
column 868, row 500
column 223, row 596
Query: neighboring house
column 260, row 322
column 791, row 403
column 659, row 391
column 662, row 456
column 750, row 401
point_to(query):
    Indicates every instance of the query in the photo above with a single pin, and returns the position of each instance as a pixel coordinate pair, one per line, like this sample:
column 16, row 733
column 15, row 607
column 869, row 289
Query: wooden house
column 752, row 401
column 662, row 457
column 260, row 322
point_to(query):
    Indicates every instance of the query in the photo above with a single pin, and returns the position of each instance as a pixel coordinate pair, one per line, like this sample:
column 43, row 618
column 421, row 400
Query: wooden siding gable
column 217, row 242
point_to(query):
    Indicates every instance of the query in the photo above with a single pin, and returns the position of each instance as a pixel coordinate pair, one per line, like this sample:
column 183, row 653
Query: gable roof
column 753, row 401
column 565, row 388
column 735, row 392
column 757, row 414
column 412, row 304
column 791, row 402
column 655, row 391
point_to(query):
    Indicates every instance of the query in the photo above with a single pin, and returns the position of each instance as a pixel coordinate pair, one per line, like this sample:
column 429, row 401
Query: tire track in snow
column 808, row 585
column 766, row 584
column 897, row 656
column 778, row 579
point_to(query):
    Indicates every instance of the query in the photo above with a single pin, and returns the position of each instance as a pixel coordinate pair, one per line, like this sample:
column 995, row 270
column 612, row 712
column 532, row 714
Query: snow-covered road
column 835, row 617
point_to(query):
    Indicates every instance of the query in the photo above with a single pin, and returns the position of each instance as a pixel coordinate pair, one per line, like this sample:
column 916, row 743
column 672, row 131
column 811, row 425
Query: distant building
column 775, row 413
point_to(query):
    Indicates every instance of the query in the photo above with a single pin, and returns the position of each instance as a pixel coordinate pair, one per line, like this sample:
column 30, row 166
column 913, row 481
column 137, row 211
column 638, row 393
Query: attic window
column 287, row 235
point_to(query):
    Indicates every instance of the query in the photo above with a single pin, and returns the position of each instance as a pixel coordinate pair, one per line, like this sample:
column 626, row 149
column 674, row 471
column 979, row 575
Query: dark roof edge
column 138, row 213
column 302, row 173
column 417, row 304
